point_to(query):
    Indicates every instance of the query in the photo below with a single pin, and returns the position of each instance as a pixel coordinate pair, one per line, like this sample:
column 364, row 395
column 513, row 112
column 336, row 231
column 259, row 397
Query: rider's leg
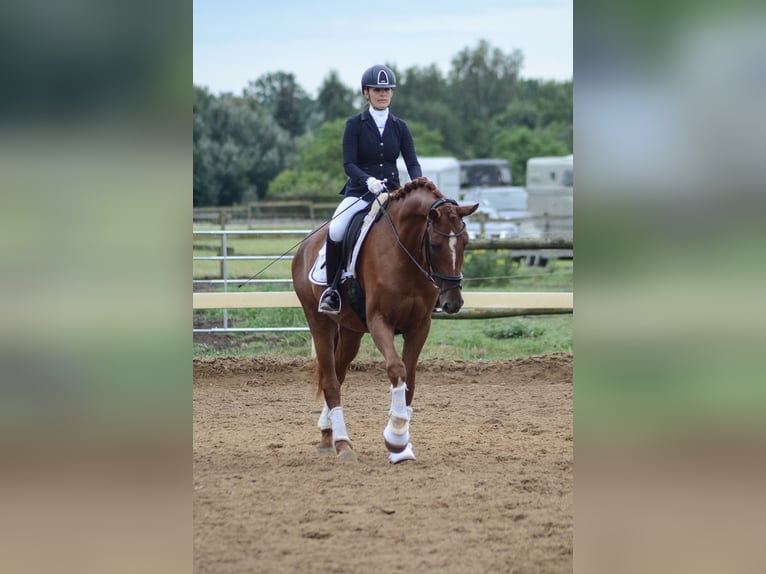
column 329, row 302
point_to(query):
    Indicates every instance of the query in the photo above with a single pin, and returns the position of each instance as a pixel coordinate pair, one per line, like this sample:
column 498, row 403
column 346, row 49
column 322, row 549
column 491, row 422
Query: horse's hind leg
column 346, row 351
column 325, row 332
column 346, row 348
column 325, row 427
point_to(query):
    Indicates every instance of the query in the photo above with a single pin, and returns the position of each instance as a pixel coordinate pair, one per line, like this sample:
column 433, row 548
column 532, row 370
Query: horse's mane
column 417, row 183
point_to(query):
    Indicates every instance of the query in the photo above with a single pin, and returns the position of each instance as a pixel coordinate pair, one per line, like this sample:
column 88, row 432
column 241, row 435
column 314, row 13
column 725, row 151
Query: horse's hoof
column 345, row 452
column 347, row 456
column 406, row 454
column 325, row 444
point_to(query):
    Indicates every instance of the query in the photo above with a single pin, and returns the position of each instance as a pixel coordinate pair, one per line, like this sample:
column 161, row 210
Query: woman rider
column 372, row 142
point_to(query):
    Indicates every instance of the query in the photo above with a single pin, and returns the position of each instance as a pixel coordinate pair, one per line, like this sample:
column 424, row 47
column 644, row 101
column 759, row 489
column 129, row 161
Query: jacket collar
column 367, row 116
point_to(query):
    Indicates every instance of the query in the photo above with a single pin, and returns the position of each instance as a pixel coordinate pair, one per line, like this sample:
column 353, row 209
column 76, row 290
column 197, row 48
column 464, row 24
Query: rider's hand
column 375, row 185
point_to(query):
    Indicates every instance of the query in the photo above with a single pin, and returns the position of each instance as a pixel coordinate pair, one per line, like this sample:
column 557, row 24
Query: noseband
column 453, row 281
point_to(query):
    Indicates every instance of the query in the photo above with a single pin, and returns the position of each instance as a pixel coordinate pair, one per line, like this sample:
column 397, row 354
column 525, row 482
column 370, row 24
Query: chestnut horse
column 408, row 266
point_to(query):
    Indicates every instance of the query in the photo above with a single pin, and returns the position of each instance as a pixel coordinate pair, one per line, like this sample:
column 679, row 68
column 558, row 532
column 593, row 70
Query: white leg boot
column 407, row 453
column 339, row 431
column 324, row 422
column 397, row 431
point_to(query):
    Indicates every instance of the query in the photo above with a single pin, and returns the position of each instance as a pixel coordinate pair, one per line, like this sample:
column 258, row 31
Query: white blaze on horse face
column 453, row 250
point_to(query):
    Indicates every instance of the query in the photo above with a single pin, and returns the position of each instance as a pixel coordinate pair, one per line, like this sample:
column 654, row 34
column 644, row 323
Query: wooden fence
column 266, row 209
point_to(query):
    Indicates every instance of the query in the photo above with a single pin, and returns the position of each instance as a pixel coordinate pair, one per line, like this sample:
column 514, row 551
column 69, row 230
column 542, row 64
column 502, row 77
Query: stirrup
column 329, row 302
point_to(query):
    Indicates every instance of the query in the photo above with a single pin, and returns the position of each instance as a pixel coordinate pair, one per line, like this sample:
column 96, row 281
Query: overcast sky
column 239, row 40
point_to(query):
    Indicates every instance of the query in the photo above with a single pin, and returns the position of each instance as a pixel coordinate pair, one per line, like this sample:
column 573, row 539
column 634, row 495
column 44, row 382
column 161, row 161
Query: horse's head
column 446, row 238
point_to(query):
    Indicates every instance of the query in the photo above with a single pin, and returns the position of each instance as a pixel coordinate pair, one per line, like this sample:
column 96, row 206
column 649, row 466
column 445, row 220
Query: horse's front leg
column 397, row 432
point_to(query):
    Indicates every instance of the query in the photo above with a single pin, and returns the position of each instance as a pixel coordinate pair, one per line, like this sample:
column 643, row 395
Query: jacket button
column 381, row 144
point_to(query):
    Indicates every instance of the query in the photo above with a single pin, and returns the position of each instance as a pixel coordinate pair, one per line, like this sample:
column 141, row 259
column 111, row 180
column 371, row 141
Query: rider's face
column 379, row 98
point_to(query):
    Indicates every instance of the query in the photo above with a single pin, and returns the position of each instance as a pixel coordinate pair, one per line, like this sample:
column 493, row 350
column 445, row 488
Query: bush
column 514, row 330
column 487, row 267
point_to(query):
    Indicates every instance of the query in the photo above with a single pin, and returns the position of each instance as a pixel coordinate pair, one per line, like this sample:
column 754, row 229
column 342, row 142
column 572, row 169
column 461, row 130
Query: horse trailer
column 550, row 195
column 443, row 171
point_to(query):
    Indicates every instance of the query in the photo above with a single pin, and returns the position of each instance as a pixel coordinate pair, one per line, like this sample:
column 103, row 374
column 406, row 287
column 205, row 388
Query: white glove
column 375, row 185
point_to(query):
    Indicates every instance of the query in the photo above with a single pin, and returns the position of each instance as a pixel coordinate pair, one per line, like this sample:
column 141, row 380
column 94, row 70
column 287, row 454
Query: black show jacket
column 368, row 154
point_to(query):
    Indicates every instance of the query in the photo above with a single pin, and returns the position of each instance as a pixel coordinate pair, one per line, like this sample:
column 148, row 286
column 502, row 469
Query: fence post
column 225, row 275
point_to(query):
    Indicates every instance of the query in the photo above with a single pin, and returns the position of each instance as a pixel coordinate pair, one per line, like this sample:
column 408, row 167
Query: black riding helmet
column 378, row 76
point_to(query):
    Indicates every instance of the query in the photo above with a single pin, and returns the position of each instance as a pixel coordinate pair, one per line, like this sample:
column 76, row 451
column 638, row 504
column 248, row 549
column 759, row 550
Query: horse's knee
column 396, row 372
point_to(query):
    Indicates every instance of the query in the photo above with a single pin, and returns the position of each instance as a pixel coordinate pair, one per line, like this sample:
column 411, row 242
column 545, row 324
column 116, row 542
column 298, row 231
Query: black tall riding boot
column 329, row 302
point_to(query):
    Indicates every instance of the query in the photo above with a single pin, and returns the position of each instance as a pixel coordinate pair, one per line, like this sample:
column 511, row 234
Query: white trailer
column 443, row 171
column 550, row 195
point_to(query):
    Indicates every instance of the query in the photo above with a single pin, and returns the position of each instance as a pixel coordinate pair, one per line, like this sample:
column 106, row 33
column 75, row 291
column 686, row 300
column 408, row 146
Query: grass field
column 467, row 339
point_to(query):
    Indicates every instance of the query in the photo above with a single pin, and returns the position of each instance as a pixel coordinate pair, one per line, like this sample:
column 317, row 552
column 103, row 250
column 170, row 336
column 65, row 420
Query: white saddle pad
column 318, row 273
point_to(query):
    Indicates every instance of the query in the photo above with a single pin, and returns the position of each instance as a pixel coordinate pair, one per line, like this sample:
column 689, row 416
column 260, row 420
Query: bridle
column 452, row 281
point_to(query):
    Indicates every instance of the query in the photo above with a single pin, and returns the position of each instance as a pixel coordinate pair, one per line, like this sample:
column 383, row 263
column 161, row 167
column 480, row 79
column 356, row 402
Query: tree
column 204, row 191
column 482, row 81
column 335, row 100
column 275, row 137
column 428, row 142
column 284, row 99
column 517, row 145
column 320, row 174
column 539, row 104
column 238, row 150
column 544, row 107
column 422, row 96
column 324, row 151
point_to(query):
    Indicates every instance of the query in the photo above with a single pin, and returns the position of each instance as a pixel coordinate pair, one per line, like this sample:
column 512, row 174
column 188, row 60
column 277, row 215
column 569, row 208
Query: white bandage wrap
column 339, row 431
column 397, row 431
column 399, row 401
column 324, row 422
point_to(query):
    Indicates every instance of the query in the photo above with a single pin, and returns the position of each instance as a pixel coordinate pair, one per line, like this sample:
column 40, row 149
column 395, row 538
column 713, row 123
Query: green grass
column 466, row 339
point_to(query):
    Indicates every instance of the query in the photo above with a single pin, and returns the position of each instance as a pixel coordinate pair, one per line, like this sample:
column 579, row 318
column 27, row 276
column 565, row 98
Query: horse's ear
column 433, row 215
column 465, row 210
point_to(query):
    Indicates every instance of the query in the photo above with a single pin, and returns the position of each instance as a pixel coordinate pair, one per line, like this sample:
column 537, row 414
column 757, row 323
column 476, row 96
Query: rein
column 455, row 281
